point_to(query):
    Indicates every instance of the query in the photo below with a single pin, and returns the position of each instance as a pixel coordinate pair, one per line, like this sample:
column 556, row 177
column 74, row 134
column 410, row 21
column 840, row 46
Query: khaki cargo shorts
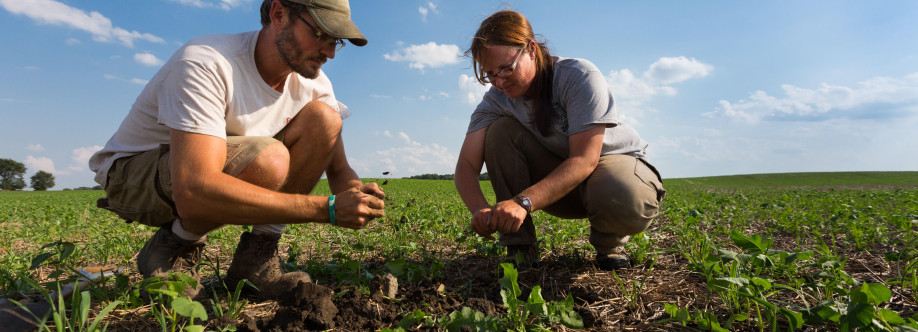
column 139, row 187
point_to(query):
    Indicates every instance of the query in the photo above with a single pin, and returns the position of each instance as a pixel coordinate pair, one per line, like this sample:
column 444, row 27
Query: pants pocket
column 650, row 176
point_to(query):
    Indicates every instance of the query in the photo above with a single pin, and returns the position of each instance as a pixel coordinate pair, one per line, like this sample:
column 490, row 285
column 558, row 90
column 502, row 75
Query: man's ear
column 278, row 15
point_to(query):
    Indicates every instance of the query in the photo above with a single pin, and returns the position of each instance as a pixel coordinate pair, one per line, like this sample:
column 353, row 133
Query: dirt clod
column 387, row 285
column 308, row 307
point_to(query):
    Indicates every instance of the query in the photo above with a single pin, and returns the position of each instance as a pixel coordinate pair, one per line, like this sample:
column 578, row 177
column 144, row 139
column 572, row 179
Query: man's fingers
column 376, row 213
column 375, row 202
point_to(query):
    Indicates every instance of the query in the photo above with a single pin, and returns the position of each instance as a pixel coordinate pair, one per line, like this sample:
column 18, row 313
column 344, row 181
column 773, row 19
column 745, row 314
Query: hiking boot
column 256, row 260
column 166, row 252
column 616, row 259
column 523, row 256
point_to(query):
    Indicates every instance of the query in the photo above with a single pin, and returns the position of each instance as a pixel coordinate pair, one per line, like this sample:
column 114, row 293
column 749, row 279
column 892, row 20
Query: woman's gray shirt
column 581, row 98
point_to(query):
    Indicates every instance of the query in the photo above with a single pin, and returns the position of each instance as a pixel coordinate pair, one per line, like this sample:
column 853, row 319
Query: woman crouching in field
column 549, row 135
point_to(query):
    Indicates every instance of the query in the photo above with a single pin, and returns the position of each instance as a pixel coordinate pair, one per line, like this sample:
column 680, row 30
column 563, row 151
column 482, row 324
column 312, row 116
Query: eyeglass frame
column 319, row 36
column 488, row 78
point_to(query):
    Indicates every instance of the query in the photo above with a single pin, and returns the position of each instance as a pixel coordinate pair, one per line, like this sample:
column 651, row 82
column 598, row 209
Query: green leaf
column 67, row 249
column 762, row 284
column 571, row 319
column 188, row 308
column 752, row 245
column 891, row 317
column 794, row 318
column 535, row 303
column 508, row 281
column 507, row 298
column 674, row 311
column 102, row 313
column 826, row 311
column 870, row 293
column 38, row 260
column 194, row 328
column 397, row 267
column 724, row 283
column 411, row 319
column 726, row 255
column 858, row 315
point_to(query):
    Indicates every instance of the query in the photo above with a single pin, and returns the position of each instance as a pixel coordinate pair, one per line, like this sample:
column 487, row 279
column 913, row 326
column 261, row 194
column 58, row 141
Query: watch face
column 526, row 201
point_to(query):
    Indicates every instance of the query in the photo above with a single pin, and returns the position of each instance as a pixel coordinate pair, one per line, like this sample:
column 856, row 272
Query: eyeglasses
column 504, row 71
column 324, row 38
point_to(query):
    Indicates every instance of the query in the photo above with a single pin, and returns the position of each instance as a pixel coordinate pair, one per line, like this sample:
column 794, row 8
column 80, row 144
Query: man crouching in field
column 238, row 129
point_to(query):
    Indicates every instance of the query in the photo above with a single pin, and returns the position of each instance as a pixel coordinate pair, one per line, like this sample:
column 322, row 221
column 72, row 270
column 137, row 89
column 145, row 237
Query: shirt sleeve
column 586, row 98
column 487, row 111
column 193, row 99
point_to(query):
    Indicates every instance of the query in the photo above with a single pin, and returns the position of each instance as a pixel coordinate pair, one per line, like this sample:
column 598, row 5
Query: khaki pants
column 620, row 198
column 139, row 187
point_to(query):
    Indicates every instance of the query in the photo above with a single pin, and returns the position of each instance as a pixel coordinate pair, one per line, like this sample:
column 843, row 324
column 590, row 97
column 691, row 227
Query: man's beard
column 290, row 51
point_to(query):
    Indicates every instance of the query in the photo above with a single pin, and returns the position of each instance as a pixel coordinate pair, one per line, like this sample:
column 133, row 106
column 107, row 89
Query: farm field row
column 811, row 251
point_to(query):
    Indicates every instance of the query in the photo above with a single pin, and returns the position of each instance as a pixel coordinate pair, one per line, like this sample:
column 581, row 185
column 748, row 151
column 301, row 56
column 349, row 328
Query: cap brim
column 338, row 25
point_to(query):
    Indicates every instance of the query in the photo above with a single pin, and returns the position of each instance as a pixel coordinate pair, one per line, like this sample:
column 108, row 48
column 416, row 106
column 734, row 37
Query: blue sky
column 716, row 87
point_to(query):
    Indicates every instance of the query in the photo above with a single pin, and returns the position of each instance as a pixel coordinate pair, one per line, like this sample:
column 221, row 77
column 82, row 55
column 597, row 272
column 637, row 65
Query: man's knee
column 316, row 118
column 269, row 168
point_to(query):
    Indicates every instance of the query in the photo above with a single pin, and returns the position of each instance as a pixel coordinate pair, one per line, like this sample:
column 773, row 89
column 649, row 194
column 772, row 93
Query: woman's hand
column 481, row 223
column 507, row 217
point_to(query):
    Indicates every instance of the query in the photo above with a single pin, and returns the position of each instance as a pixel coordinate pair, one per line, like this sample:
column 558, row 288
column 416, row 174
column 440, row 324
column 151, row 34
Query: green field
column 795, row 251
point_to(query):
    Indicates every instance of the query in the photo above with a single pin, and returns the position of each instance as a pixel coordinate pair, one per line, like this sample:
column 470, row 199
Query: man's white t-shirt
column 211, row 86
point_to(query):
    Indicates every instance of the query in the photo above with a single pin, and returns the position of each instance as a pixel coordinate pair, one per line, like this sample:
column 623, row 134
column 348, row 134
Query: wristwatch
column 524, row 202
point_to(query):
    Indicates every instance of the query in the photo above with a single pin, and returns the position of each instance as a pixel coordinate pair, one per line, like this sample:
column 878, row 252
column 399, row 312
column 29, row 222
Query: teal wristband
column 331, row 210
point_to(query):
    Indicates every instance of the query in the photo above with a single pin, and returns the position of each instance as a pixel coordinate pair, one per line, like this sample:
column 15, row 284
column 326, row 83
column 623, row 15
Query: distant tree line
column 481, row 177
column 85, row 188
column 11, row 177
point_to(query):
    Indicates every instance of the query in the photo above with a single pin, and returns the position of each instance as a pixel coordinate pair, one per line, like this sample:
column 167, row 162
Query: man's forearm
column 223, row 199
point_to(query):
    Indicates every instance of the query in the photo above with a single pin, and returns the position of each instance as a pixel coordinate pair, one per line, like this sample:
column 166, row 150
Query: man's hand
column 481, row 223
column 507, row 217
column 373, row 189
column 355, row 208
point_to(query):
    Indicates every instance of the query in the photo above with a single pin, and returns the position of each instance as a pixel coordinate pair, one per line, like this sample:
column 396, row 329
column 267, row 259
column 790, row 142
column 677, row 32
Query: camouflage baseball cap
column 334, row 17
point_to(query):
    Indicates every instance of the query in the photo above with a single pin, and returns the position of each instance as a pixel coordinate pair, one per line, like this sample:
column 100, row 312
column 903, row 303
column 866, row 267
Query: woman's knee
column 619, row 200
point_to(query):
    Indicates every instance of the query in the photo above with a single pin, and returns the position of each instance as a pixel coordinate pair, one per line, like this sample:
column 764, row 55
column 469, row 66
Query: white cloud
column 423, row 11
column 147, row 59
column 137, row 81
column 56, row 13
column 40, row 164
column 411, row 158
column 82, row 155
column 879, row 97
column 633, row 92
column 72, row 41
column 676, row 70
column 223, row 4
column 471, row 90
column 35, row 147
column 405, row 137
column 431, row 8
column 426, row 55
column 80, row 158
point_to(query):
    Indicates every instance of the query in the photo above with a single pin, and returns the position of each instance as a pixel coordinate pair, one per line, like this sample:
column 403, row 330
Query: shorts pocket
column 649, row 175
column 132, row 191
